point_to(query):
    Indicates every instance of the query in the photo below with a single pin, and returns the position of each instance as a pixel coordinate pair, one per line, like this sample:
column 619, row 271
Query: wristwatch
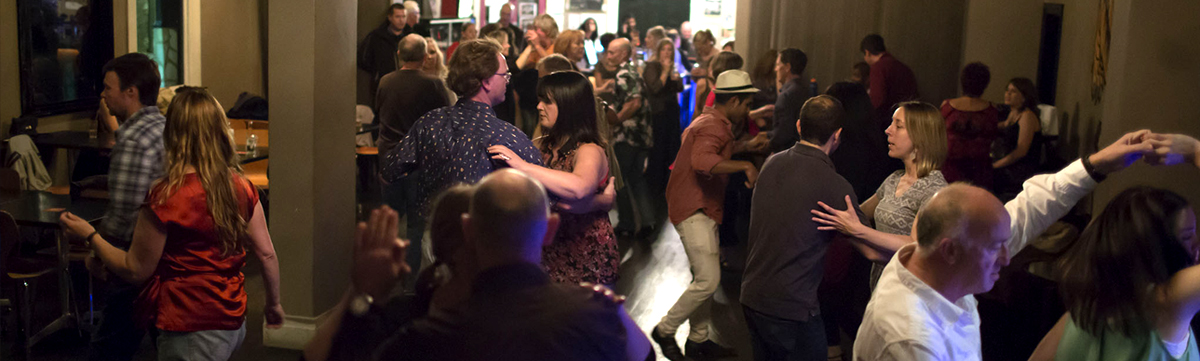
column 360, row 304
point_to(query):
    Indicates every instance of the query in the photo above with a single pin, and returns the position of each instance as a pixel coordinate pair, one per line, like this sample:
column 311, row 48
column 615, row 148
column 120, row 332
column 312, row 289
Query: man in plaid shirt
column 131, row 91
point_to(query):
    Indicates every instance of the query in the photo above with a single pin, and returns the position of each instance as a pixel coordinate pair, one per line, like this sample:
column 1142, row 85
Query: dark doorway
column 651, row 13
column 1047, row 74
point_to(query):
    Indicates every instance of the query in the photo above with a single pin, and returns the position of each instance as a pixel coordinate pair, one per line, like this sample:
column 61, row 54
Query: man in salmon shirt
column 695, row 197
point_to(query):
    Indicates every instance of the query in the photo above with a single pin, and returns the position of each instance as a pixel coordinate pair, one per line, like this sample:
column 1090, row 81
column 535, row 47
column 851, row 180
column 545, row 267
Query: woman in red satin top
column 190, row 241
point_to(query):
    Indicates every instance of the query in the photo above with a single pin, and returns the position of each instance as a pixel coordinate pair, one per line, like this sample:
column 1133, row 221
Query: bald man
column 512, row 306
column 923, row 308
column 518, row 40
column 620, row 84
column 403, row 97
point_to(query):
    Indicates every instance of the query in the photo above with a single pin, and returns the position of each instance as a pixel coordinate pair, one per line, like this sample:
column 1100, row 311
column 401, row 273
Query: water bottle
column 812, row 87
column 251, row 143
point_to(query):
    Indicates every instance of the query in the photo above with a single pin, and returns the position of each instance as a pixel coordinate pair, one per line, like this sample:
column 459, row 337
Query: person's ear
column 551, row 229
column 798, row 127
column 949, row 250
column 132, row 92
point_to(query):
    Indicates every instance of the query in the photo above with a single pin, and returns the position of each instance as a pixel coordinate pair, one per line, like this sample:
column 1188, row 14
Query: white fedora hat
column 734, row 81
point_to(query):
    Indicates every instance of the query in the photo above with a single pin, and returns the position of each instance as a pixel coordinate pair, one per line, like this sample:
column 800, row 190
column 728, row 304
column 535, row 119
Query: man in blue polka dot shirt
column 448, row 145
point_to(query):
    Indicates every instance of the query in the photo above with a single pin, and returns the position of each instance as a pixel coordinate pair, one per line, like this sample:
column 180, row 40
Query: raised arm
column 1181, row 295
column 591, row 166
column 1048, row 197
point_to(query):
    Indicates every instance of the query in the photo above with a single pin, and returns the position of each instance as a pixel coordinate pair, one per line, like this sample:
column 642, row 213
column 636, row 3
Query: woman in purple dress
column 584, row 249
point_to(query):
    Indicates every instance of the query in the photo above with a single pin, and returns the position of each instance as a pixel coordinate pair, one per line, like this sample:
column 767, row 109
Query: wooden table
column 74, row 140
column 71, row 139
column 41, row 209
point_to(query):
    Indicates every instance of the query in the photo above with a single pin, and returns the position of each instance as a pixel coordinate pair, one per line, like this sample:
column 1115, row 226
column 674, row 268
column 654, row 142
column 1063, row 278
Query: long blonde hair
column 198, row 135
column 441, row 69
column 927, row 129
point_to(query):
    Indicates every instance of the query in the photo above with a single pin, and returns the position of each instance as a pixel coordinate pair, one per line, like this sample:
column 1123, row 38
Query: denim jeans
column 635, row 209
column 775, row 338
column 208, row 345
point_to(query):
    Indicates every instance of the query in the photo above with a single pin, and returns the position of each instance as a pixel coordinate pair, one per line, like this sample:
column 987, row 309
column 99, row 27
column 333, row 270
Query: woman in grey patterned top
column 917, row 136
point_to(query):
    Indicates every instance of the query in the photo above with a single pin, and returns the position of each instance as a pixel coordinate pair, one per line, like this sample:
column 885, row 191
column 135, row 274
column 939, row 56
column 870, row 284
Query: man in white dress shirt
column 923, row 308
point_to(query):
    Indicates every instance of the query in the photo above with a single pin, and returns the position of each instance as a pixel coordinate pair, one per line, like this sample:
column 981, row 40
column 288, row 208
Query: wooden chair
column 21, row 273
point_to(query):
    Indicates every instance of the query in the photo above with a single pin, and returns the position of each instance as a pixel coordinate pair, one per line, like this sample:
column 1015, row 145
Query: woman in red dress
column 584, row 249
column 189, row 244
column 970, row 130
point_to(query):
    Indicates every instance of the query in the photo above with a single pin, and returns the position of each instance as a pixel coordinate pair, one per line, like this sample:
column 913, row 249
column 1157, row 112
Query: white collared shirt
column 908, row 320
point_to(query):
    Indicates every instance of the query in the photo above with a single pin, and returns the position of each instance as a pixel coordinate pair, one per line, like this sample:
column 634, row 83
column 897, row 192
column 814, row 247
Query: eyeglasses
column 507, row 76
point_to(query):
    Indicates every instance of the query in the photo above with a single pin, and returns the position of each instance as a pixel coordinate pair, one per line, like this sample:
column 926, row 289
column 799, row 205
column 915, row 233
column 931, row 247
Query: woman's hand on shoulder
column 502, row 153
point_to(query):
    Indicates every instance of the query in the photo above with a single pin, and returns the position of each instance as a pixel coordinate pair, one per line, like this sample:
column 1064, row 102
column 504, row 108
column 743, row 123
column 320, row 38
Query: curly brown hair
column 472, row 63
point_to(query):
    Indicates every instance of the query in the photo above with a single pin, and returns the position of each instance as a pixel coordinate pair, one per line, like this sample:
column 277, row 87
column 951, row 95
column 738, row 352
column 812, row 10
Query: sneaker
column 667, row 344
column 707, row 350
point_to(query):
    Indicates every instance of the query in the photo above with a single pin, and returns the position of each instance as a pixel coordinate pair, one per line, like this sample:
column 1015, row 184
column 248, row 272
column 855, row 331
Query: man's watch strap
column 1091, row 169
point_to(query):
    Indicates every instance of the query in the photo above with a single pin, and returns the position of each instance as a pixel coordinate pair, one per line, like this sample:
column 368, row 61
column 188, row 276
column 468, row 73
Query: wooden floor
column 653, row 275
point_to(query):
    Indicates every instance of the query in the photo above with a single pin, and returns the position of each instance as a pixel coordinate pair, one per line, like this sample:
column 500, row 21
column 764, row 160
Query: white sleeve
column 907, row 351
column 1045, row 199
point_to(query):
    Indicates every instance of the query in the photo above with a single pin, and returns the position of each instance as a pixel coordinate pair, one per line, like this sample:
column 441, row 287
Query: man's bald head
column 411, row 48
column 956, row 209
column 511, row 211
column 963, row 234
column 620, row 47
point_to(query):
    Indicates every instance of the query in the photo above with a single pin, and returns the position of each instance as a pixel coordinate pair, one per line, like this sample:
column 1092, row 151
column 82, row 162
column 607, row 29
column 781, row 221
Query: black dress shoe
column 669, row 348
column 707, row 350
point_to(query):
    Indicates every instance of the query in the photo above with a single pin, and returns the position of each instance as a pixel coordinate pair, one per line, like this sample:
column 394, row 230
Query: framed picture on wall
column 527, row 11
column 712, row 7
column 586, row 5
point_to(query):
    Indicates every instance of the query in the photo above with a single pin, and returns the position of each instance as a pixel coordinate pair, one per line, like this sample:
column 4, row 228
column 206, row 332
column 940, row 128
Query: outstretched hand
column 1122, row 153
column 379, row 255
column 1172, row 149
column 845, row 221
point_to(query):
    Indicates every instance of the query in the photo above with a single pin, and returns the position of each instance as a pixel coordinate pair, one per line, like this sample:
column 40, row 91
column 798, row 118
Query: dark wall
column 650, row 13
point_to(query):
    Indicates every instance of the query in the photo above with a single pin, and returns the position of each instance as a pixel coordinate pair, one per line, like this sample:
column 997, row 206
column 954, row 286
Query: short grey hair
column 412, row 48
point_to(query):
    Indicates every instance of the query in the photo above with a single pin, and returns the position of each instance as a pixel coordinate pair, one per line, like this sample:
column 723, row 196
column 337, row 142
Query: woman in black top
column 663, row 85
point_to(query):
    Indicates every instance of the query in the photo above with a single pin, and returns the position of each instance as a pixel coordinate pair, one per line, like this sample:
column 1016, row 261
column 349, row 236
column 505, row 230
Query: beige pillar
column 312, row 81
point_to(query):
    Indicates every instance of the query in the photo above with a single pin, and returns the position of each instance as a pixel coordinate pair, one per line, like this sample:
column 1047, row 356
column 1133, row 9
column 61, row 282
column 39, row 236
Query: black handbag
column 26, row 125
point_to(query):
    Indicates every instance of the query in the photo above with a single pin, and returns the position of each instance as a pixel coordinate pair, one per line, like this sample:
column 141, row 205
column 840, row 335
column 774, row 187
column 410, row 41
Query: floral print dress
column 584, row 250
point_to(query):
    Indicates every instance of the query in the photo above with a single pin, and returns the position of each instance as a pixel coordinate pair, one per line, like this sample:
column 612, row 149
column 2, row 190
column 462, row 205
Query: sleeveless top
column 969, row 137
column 584, row 249
column 1077, row 344
column 195, row 287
